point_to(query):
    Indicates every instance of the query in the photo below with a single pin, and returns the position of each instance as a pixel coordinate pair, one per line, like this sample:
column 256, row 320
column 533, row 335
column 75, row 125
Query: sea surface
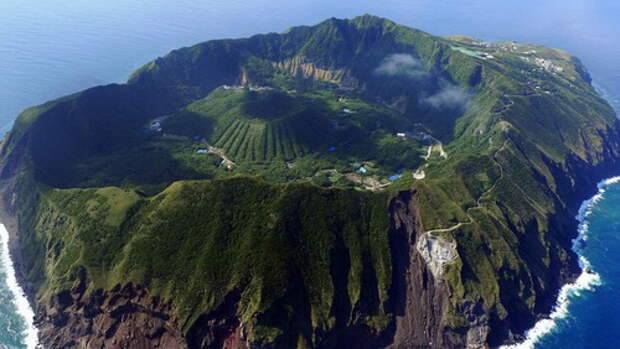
column 50, row 48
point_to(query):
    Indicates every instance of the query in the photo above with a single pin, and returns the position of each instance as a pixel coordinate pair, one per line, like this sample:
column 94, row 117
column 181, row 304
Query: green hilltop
column 269, row 166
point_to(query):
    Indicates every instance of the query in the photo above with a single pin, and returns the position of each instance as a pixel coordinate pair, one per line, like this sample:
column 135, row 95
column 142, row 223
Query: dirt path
column 479, row 200
column 226, row 162
column 494, row 185
column 442, row 153
column 369, row 183
column 438, row 146
column 428, row 153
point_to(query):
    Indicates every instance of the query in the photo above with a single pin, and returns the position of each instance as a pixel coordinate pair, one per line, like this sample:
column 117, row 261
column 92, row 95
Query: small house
column 362, row 170
column 202, row 151
column 401, row 135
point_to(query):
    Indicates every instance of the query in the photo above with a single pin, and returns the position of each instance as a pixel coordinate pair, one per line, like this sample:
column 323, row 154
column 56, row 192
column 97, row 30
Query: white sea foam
column 586, row 282
column 19, row 298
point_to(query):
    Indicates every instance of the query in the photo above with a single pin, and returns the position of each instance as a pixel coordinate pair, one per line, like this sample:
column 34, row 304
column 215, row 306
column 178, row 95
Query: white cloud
column 449, row 96
column 400, row 64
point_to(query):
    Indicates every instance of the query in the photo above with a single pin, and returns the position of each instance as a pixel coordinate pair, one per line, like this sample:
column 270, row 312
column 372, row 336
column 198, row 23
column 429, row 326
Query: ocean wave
column 19, row 298
column 587, row 281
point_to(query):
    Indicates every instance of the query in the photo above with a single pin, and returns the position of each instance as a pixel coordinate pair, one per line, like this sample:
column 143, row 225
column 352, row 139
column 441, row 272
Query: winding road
column 492, row 187
column 478, row 201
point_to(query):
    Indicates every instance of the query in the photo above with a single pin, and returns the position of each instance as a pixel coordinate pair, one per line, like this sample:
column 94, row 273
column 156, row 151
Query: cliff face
column 132, row 238
column 419, row 299
column 299, row 66
column 315, row 277
column 120, row 318
column 572, row 182
column 128, row 317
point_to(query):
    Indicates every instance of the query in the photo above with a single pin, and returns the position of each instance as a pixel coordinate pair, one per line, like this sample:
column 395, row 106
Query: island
column 352, row 184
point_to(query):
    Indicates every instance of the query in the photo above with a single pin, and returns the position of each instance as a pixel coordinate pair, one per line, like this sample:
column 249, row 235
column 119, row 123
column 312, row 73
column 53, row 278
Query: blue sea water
column 589, row 318
column 585, row 314
column 49, row 48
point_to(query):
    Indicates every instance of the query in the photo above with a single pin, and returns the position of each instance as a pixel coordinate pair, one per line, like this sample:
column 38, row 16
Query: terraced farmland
column 257, row 140
column 259, row 126
column 244, row 126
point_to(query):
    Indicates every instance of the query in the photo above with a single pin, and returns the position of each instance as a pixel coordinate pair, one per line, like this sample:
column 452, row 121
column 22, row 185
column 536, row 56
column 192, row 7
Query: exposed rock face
column 437, row 253
column 128, row 317
column 420, row 293
column 219, row 329
column 419, row 300
column 125, row 317
column 299, row 66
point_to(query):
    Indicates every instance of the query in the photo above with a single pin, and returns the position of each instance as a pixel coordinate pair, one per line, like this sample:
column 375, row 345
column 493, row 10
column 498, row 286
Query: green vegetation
column 256, row 181
column 197, row 241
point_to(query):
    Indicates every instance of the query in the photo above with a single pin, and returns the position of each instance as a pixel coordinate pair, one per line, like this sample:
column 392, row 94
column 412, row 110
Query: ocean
column 585, row 312
column 51, row 48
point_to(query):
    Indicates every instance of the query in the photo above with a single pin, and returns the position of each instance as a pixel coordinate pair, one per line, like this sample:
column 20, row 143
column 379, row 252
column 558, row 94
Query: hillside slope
column 351, row 184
